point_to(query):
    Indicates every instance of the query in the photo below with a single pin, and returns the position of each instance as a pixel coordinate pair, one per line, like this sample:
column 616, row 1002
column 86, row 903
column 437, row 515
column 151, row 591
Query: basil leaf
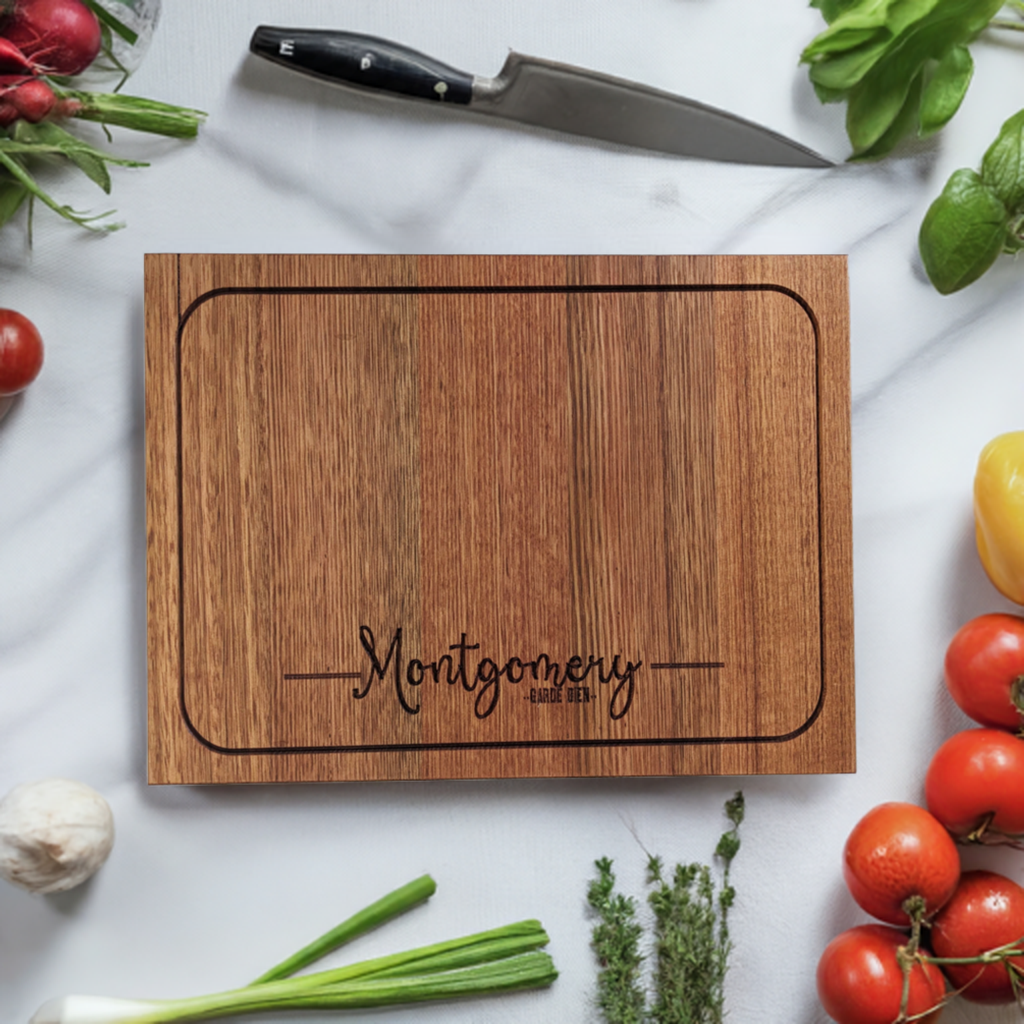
column 875, row 50
column 945, row 89
column 846, row 36
column 826, row 95
column 902, row 125
column 831, row 9
column 1002, row 168
column 963, row 233
column 903, row 14
column 877, row 101
column 855, row 26
column 846, row 70
column 876, row 104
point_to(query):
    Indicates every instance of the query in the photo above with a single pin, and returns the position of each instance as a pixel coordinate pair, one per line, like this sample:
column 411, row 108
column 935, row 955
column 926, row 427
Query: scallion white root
column 89, row 1010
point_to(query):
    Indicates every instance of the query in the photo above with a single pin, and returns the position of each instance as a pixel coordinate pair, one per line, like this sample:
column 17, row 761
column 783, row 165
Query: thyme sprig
column 616, row 941
column 691, row 943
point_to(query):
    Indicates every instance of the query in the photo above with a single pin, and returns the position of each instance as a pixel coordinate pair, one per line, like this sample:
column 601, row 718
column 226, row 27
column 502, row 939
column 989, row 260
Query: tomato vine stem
column 1017, row 693
column 908, row 955
column 985, row 835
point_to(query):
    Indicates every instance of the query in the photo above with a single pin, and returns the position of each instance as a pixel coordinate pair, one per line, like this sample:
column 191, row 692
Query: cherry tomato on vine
column 985, row 913
column 21, row 352
column 985, row 670
column 975, row 785
column 860, row 980
column 896, row 851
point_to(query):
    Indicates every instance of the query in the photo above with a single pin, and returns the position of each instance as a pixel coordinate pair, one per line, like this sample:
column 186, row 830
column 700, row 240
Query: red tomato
column 21, row 352
column 976, row 780
column 897, row 851
column 985, row 670
column 860, row 980
column 985, row 912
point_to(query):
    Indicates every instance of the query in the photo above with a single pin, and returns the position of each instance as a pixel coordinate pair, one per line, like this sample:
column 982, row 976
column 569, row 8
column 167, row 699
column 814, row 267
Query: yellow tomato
column 999, row 513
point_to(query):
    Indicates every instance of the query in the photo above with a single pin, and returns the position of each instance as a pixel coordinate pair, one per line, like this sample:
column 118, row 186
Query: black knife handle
column 363, row 61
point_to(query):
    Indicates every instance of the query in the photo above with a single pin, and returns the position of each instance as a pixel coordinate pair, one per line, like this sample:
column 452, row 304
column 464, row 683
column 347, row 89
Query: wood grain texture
column 466, row 517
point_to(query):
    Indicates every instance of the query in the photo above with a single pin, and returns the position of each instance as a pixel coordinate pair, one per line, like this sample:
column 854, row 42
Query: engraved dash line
column 688, row 664
column 323, row 675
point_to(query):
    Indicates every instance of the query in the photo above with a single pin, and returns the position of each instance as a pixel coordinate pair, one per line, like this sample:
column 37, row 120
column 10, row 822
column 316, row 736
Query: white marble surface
column 206, row 887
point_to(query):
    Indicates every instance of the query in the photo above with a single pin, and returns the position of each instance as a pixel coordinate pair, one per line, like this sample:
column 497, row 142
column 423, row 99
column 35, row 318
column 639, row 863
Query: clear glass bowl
column 141, row 16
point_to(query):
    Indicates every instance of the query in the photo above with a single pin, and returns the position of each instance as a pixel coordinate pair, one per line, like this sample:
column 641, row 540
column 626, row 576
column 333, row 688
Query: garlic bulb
column 54, row 834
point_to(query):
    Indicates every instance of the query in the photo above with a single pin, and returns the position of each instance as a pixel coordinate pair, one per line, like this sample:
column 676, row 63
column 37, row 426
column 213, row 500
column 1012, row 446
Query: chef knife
column 536, row 92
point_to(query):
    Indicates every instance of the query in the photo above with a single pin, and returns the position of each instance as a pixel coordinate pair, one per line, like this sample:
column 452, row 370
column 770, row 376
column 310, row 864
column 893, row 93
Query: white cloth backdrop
column 207, row 887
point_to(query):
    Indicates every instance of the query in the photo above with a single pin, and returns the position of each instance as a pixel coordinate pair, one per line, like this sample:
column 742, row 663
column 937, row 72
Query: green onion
column 373, row 916
column 499, row 960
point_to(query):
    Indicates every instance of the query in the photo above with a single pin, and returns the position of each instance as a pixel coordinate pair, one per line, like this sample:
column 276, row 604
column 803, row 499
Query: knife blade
column 536, row 92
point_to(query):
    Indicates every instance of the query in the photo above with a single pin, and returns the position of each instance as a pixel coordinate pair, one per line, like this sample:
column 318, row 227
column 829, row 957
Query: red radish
column 8, row 84
column 8, row 114
column 31, row 98
column 62, row 37
column 12, row 60
column 34, row 99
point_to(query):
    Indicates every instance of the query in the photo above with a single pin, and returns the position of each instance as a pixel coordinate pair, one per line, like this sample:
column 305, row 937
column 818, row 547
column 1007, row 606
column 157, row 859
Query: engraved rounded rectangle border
column 609, row 741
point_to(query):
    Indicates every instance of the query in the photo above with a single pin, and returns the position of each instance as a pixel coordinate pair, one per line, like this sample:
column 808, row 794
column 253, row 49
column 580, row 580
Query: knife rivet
column 366, row 63
column 441, row 88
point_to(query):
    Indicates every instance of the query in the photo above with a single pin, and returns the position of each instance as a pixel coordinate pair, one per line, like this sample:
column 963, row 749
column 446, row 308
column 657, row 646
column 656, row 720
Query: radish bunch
column 42, row 38
column 44, row 44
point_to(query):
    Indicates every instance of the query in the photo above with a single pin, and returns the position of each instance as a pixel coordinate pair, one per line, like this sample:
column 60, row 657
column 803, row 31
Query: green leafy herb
column 691, row 941
column 978, row 216
column 501, row 960
column 962, row 233
column 945, row 87
column 903, row 67
column 1002, row 167
column 616, row 941
column 876, row 55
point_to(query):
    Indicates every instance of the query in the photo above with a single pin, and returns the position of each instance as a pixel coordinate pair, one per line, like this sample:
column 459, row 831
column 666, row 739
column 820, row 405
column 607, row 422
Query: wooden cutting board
column 465, row 517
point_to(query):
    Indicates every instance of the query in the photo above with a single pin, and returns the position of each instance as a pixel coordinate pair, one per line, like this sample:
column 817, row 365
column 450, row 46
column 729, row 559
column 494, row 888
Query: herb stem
column 1007, row 23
